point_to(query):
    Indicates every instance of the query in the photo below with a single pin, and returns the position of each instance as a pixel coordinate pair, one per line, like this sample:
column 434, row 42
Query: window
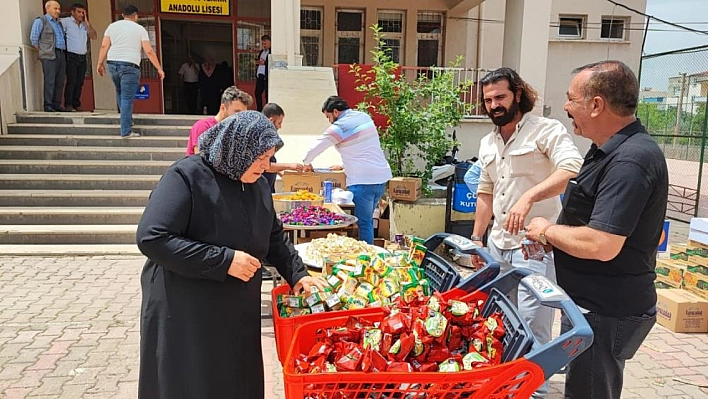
column 392, row 24
column 613, row 28
column 350, row 37
column 430, row 38
column 571, row 27
column 311, row 36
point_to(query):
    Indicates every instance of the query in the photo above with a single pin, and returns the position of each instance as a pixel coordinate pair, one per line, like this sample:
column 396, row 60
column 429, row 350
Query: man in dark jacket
column 47, row 36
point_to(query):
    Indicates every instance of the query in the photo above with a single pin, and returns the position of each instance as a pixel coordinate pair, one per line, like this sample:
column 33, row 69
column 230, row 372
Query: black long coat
column 201, row 328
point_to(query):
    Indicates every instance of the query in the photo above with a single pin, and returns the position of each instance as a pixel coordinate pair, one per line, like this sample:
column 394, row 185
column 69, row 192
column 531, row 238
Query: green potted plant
column 418, row 112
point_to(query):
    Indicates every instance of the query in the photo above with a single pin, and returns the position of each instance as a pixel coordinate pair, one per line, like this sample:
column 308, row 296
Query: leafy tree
column 418, row 113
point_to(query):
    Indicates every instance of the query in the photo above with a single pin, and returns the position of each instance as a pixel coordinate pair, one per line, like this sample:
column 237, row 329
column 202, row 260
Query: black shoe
column 49, row 109
column 267, row 275
column 60, row 109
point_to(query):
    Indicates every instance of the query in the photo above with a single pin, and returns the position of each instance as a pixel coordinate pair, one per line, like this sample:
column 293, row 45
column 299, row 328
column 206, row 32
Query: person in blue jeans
column 121, row 46
column 354, row 135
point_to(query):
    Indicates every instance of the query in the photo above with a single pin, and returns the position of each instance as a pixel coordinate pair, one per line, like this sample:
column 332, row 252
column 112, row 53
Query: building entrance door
column 210, row 45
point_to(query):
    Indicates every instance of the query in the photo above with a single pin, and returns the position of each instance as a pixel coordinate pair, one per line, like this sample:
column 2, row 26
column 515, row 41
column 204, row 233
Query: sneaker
column 131, row 135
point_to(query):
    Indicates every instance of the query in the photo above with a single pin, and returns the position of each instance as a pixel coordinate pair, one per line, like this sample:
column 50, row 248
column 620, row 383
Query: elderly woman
column 208, row 224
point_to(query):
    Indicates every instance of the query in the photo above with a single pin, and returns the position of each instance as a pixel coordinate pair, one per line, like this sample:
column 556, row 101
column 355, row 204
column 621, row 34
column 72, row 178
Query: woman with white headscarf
column 206, row 228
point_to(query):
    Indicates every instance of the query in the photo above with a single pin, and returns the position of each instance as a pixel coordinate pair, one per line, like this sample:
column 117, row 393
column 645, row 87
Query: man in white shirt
column 189, row 71
column 78, row 30
column 121, row 45
column 355, row 137
column 526, row 164
column 262, row 72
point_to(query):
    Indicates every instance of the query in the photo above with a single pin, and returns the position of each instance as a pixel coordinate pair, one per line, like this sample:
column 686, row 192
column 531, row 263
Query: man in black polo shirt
column 606, row 237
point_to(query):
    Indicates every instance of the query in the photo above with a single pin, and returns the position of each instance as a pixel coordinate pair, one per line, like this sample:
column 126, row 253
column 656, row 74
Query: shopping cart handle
column 482, row 276
column 554, row 355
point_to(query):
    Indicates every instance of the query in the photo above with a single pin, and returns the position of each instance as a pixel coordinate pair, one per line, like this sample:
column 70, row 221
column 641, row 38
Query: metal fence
column 472, row 75
column 672, row 106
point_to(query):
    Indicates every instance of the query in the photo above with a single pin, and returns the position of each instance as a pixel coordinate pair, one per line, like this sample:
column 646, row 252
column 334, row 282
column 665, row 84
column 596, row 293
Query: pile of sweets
column 363, row 282
column 300, row 195
column 428, row 334
column 335, row 248
column 312, row 216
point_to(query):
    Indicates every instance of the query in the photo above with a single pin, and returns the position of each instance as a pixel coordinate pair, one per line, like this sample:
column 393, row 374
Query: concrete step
column 70, row 215
column 68, row 234
column 17, row 166
column 96, row 129
column 91, row 153
column 69, row 250
column 76, row 198
column 92, row 141
column 104, row 118
column 77, row 182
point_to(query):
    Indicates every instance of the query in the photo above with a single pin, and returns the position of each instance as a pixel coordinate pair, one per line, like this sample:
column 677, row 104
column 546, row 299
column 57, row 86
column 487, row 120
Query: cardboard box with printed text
column 405, row 188
column 681, row 311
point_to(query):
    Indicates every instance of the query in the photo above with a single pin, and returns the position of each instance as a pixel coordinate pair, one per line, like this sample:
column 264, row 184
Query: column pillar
column 285, row 31
column 526, row 41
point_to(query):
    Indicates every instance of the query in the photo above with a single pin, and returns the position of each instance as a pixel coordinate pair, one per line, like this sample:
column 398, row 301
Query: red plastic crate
column 285, row 326
column 517, row 379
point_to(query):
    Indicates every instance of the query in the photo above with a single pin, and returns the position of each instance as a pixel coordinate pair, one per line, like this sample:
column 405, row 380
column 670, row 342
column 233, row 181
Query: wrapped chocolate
column 449, row 366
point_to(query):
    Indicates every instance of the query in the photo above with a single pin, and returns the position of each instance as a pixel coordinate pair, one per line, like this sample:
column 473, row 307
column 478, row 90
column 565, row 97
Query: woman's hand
column 244, row 266
column 307, row 282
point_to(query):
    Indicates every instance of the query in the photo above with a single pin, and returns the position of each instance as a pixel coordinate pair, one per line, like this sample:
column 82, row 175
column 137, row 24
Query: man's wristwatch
column 542, row 236
column 476, row 238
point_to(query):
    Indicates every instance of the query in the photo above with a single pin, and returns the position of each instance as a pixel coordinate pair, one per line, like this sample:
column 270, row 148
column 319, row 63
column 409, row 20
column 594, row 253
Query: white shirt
column 262, row 68
column 126, row 41
column 538, row 147
column 76, row 35
column 355, row 136
column 189, row 74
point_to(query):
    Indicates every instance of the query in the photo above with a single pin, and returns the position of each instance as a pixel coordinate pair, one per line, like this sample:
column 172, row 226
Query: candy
column 449, row 366
column 472, row 360
column 312, row 216
column 372, row 339
column 458, row 308
column 435, row 324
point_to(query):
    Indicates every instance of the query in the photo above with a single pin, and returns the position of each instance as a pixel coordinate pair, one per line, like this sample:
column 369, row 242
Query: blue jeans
column 126, row 78
column 598, row 373
column 538, row 317
column 366, row 198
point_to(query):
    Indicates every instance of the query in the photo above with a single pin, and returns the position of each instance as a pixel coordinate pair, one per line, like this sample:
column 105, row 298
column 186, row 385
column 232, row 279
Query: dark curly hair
column 528, row 94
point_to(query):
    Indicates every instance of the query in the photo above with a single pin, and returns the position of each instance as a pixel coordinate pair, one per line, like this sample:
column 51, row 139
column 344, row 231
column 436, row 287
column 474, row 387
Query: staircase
column 70, row 185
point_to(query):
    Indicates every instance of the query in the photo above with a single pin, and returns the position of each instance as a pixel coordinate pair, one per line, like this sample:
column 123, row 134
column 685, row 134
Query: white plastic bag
column 340, row 196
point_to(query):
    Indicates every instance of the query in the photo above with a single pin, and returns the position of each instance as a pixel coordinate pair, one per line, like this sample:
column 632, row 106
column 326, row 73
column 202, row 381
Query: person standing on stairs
column 232, row 101
column 78, row 32
column 122, row 43
column 47, row 36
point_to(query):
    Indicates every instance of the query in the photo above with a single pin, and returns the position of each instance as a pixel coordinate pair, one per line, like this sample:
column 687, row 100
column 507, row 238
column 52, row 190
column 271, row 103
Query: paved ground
column 69, row 329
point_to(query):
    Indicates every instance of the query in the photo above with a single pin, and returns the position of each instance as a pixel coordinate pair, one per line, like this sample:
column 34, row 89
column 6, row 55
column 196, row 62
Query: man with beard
column 526, row 163
column 605, row 240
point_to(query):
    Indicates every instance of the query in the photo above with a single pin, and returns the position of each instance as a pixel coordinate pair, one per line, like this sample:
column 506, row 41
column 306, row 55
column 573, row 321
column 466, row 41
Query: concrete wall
column 103, row 91
column 14, row 42
column 10, row 87
column 566, row 54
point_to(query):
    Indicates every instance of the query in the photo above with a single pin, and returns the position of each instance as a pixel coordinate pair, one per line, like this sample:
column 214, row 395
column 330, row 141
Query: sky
column 680, row 12
column 691, row 13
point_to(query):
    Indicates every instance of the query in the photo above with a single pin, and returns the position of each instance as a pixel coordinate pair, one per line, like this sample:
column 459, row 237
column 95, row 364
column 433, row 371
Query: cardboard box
column 295, row 181
column 670, row 272
column 405, row 188
column 695, row 282
column 681, row 311
column 338, row 178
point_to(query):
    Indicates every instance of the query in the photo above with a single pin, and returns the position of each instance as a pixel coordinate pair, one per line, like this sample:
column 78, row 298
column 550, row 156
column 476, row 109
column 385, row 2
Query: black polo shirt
column 621, row 189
